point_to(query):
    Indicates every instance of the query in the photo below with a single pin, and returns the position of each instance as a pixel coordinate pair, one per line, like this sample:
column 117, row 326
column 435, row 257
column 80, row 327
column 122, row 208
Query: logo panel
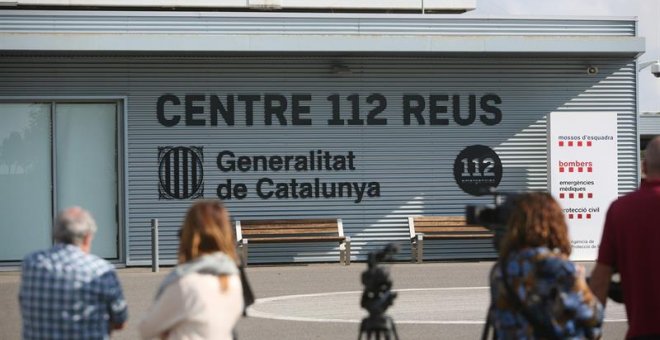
column 180, row 172
column 477, row 170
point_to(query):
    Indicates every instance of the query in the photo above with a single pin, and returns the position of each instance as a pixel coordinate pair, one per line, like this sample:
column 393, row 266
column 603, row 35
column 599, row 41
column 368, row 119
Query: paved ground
column 436, row 301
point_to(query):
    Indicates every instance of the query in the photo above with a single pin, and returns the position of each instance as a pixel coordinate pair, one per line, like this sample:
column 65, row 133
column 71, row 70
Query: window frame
column 122, row 159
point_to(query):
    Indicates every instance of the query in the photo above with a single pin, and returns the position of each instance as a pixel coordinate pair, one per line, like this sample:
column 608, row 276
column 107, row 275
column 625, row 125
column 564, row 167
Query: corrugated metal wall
column 213, row 23
column 649, row 124
column 412, row 163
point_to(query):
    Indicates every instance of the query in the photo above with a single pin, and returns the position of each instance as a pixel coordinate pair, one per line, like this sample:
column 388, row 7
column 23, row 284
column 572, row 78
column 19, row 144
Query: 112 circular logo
column 477, row 169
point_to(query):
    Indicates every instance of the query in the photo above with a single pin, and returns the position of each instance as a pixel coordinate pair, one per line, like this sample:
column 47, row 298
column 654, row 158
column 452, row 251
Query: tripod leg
column 396, row 335
column 486, row 331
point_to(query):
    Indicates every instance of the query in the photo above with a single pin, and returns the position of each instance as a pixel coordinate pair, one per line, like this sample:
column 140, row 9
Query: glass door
column 25, row 179
column 55, row 155
column 86, row 167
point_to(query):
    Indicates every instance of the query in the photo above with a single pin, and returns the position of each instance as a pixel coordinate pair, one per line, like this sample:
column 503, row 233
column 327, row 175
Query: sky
column 646, row 11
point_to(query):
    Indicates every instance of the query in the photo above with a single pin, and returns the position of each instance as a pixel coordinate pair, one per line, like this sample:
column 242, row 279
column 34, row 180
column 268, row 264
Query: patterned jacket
column 551, row 290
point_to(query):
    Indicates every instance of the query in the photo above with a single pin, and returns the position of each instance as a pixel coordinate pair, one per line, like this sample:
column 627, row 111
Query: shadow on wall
column 420, row 181
column 522, row 147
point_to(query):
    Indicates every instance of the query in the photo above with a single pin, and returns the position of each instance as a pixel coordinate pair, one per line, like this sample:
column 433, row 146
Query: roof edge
column 41, row 12
column 321, row 43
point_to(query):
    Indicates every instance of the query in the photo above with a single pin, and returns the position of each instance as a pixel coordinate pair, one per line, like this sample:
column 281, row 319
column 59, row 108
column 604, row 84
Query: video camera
column 493, row 216
column 496, row 217
column 378, row 296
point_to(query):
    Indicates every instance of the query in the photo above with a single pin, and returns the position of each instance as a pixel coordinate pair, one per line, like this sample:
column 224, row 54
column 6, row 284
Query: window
column 25, row 179
column 54, row 155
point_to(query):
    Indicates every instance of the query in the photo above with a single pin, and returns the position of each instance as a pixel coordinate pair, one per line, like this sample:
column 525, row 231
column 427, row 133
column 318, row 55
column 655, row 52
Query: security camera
column 655, row 69
column 592, row 70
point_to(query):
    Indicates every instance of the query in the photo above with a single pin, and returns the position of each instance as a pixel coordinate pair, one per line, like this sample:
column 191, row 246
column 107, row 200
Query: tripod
column 378, row 297
column 378, row 326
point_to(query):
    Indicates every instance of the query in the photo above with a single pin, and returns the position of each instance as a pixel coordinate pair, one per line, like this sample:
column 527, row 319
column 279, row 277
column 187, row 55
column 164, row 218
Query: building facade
column 649, row 126
column 366, row 117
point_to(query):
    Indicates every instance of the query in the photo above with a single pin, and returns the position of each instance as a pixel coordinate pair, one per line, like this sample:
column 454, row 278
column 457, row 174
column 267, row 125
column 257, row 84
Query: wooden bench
column 293, row 231
column 441, row 228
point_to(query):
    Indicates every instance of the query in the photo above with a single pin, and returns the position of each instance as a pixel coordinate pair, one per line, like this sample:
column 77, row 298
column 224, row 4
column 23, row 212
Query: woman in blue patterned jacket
column 537, row 293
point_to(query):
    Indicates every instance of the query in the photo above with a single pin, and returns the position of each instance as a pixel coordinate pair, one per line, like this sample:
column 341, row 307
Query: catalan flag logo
column 180, row 172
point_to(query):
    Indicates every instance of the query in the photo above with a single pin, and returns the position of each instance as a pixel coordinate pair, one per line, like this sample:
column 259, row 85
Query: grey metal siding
column 649, row 124
column 412, row 163
column 210, row 23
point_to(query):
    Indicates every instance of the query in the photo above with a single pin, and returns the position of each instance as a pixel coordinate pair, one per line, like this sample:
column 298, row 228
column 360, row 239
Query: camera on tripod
column 378, row 296
column 493, row 216
column 496, row 218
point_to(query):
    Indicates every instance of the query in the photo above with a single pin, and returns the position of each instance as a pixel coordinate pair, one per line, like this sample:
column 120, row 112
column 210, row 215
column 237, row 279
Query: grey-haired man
column 66, row 292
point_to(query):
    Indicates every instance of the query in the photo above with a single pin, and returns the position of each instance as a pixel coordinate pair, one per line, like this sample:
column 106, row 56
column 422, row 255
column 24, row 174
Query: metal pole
column 154, row 245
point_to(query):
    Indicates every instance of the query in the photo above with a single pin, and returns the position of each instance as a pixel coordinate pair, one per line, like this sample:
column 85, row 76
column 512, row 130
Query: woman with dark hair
column 202, row 297
column 537, row 293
